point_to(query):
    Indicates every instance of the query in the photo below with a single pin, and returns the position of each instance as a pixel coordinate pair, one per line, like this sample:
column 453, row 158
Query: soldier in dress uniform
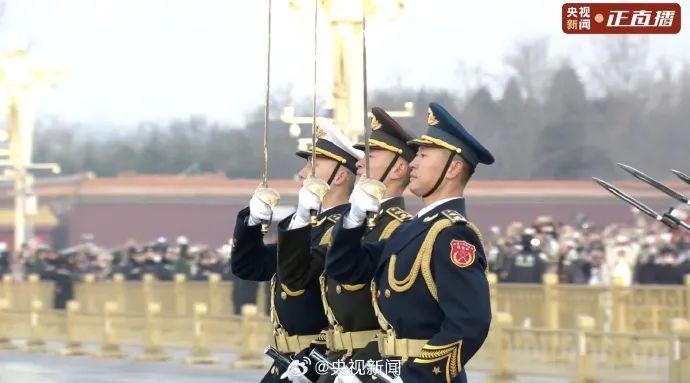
column 4, row 259
column 152, row 260
column 429, row 284
column 209, row 263
column 297, row 312
column 352, row 322
column 134, row 269
column 528, row 265
column 58, row 269
column 667, row 271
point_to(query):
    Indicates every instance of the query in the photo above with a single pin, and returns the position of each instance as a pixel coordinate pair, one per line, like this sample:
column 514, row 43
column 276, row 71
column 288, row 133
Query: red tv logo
column 619, row 18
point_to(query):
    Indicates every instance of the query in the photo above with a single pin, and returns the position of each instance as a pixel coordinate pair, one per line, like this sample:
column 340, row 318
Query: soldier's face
column 379, row 160
column 323, row 169
column 426, row 168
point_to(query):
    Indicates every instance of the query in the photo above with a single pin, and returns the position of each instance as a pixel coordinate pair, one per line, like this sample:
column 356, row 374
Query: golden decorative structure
column 584, row 343
column 36, row 342
column 147, row 281
column 7, row 292
column 621, row 355
column 501, row 372
column 180, row 294
column 120, row 291
column 585, row 325
column 679, row 362
column 5, row 342
column 492, row 278
column 551, row 315
column 89, row 280
column 214, row 294
column 200, row 352
column 110, row 347
column 153, row 349
column 72, row 345
column 251, row 356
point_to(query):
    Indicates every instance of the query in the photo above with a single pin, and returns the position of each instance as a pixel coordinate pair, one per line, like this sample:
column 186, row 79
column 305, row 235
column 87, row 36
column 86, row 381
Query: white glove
column 258, row 211
column 307, row 201
column 347, row 377
column 361, row 203
column 398, row 380
column 295, row 372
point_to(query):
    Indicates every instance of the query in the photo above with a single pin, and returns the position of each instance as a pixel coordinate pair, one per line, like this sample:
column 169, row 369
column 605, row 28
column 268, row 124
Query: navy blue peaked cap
column 446, row 132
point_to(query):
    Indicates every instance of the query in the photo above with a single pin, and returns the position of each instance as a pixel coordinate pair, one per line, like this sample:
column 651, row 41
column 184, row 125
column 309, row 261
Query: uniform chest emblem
column 462, row 253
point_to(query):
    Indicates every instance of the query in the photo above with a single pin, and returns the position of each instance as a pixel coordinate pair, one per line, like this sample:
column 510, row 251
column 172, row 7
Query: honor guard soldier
column 297, row 313
column 429, row 285
column 134, row 269
column 529, row 265
column 352, row 322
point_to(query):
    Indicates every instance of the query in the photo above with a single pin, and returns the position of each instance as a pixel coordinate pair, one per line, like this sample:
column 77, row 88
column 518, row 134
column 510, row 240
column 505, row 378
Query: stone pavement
column 23, row 367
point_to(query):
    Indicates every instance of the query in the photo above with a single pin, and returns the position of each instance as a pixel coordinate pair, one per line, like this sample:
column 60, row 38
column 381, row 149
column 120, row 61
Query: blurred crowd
column 644, row 252
column 159, row 258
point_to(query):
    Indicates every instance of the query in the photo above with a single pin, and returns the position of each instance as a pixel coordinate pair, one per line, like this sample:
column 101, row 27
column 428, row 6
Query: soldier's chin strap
column 335, row 171
column 390, row 167
column 443, row 174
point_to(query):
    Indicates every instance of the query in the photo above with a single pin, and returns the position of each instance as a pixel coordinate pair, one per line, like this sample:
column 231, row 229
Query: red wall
column 212, row 223
column 43, row 234
column 113, row 224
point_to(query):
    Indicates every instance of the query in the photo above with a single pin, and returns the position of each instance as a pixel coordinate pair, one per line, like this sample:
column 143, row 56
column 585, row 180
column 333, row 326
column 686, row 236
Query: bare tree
column 621, row 65
column 530, row 62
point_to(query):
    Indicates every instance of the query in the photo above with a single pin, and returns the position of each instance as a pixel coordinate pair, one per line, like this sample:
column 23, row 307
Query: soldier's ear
column 401, row 169
column 341, row 177
column 455, row 169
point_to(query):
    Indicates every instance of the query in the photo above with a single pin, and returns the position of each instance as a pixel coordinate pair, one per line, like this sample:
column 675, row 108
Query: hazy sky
column 134, row 60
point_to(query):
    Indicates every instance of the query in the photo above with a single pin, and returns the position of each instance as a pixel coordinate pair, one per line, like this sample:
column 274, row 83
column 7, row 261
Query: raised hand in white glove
column 347, row 377
column 361, row 203
column 258, row 211
column 295, row 372
column 308, row 201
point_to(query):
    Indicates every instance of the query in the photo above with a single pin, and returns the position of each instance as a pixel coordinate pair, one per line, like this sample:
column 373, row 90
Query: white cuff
column 351, row 222
column 297, row 222
column 252, row 221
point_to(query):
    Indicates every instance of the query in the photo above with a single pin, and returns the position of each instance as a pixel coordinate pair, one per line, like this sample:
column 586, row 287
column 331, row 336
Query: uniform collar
column 334, row 210
column 393, row 202
column 455, row 203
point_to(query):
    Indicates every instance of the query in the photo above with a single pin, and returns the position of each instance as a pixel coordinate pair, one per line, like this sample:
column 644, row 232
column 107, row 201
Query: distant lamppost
column 345, row 19
column 20, row 78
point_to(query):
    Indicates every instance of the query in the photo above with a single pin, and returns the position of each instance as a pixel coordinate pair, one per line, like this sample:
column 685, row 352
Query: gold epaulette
column 334, row 217
column 454, row 216
column 399, row 214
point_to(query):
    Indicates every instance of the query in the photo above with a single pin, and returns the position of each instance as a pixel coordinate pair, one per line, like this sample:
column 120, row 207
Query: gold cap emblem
column 320, row 133
column 375, row 124
column 430, row 118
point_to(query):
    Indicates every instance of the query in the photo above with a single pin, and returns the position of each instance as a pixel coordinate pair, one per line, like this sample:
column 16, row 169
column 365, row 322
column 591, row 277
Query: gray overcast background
column 129, row 61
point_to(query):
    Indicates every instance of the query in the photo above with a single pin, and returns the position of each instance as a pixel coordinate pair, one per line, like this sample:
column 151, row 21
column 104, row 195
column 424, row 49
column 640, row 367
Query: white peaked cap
column 334, row 135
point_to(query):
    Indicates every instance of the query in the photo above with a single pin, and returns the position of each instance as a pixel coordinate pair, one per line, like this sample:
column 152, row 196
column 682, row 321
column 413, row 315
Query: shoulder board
column 334, row 217
column 399, row 214
column 454, row 216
